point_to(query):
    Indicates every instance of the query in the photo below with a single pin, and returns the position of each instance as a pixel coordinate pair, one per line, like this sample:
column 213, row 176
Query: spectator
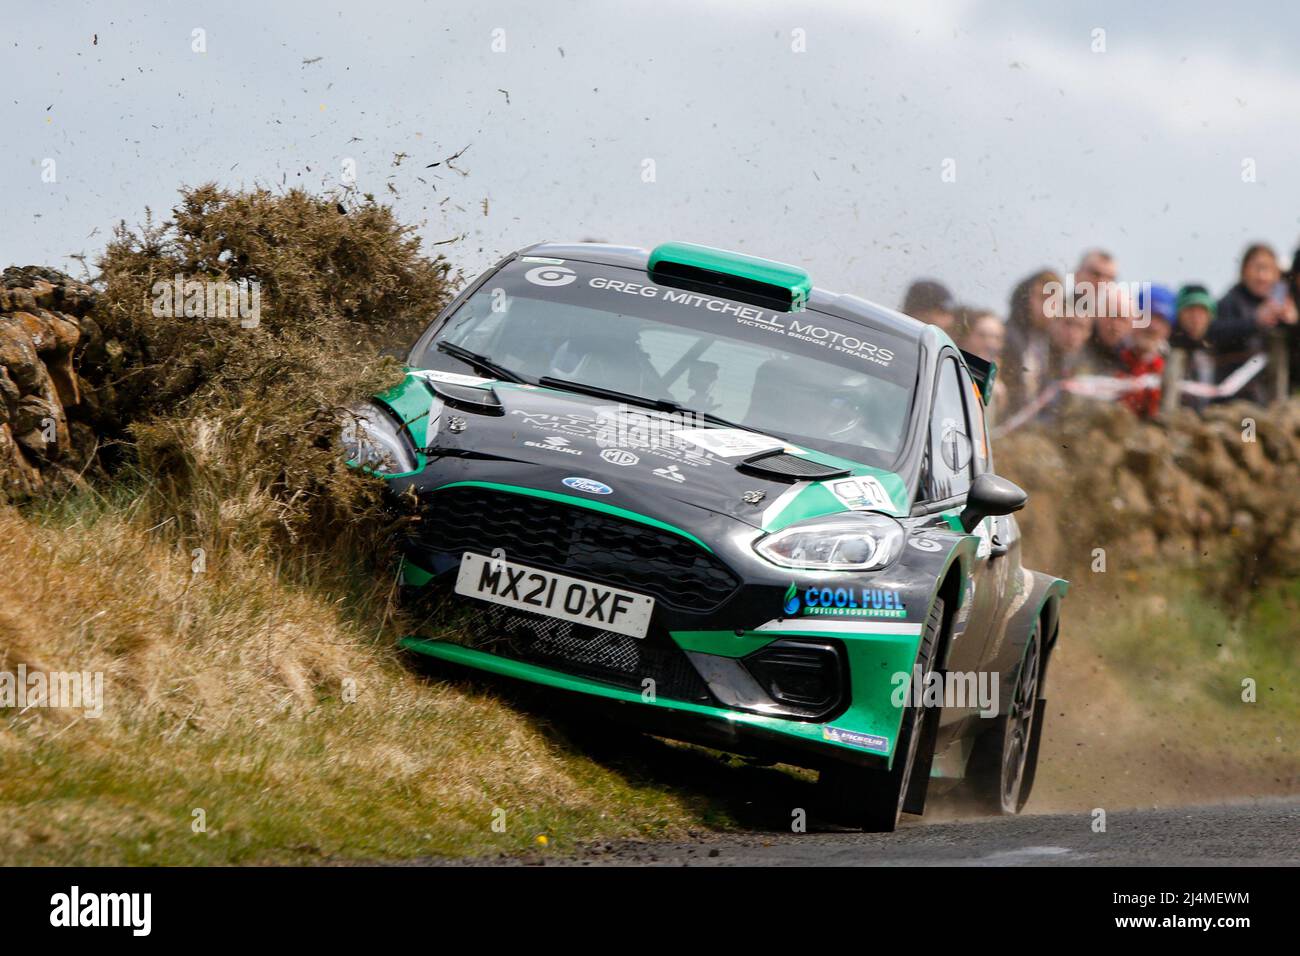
column 1144, row 354
column 1096, row 293
column 985, row 335
column 930, row 302
column 963, row 315
column 1114, row 319
column 1028, row 337
column 1094, row 277
column 1193, row 314
column 1069, row 339
column 1247, row 314
column 1096, row 267
column 1110, row 334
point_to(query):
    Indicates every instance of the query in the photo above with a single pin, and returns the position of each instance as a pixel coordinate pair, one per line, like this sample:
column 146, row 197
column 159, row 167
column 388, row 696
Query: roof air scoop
column 733, row 275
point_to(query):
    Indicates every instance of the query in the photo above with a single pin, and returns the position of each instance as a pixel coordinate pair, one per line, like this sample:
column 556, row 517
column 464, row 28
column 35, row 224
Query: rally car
column 735, row 509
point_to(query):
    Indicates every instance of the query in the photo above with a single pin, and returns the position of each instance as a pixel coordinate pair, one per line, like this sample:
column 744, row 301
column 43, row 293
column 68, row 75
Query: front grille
column 585, row 651
column 578, row 541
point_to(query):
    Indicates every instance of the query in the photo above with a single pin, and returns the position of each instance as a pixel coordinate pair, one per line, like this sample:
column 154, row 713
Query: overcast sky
column 818, row 134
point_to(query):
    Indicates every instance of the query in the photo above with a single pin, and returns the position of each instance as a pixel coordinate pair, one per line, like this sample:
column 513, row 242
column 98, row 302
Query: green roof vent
column 735, row 275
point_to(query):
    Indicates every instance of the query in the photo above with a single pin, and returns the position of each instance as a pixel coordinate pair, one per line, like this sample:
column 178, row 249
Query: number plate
column 555, row 595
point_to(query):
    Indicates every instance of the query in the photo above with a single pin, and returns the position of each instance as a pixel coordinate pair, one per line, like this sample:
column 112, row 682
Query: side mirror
column 991, row 495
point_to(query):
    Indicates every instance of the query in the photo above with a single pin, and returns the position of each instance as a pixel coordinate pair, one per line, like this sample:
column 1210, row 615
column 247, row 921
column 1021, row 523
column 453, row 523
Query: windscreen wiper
column 480, row 362
column 613, row 394
column 719, row 420
column 658, row 404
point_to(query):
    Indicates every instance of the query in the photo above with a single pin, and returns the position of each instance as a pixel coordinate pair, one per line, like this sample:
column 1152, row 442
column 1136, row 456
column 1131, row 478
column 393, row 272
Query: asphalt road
column 1255, row 834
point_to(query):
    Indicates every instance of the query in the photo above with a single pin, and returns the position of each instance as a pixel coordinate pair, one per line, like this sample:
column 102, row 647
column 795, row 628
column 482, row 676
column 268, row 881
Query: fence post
column 1278, row 358
column 1172, row 382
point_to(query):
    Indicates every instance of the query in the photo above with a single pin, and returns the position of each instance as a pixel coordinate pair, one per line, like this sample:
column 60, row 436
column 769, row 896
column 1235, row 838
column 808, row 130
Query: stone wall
column 50, row 414
column 1224, row 487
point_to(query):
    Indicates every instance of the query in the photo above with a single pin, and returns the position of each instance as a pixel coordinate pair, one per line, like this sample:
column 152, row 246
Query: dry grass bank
column 226, row 691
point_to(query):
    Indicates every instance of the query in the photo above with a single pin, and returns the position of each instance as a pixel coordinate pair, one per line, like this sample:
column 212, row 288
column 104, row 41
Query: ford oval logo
column 589, row 486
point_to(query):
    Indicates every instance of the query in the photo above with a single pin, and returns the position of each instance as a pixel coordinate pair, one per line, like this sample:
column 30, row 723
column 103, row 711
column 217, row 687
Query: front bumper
column 722, row 662
column 863, row 732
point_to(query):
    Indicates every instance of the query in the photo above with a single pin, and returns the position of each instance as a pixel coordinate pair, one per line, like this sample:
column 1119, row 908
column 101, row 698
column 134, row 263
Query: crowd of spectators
column 1147, row 345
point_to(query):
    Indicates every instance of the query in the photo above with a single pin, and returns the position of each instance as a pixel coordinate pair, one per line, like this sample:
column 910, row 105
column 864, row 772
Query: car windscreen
column 807, row 377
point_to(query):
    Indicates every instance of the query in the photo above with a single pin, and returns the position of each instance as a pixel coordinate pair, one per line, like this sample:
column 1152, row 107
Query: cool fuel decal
column 844, row 602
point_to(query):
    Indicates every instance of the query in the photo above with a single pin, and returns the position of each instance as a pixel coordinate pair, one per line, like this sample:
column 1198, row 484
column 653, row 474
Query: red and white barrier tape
column 1108, row 388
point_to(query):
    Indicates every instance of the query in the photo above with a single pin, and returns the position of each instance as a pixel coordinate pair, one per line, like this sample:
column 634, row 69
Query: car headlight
column 373, row 440
column 857, row 541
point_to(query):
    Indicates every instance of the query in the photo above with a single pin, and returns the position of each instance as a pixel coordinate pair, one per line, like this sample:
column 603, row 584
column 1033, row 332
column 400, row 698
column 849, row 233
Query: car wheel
column 873, row 799
column 1005, row 758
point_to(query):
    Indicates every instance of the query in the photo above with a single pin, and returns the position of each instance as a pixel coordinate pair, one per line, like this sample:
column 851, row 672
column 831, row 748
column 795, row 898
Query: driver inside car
column 786, row 397
column 608, row 355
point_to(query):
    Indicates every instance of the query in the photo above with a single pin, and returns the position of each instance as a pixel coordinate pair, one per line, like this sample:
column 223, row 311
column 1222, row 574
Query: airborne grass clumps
column 233, row 427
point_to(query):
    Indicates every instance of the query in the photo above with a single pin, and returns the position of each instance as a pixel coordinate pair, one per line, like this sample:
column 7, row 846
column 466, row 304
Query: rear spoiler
column 983, row 372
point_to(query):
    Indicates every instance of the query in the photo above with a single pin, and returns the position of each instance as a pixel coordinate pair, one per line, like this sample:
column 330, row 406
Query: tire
column 872, row 800
column 1005, row 758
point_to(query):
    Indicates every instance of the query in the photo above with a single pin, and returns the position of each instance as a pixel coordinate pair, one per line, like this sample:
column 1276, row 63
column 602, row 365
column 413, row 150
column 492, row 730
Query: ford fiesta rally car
column 739, row 510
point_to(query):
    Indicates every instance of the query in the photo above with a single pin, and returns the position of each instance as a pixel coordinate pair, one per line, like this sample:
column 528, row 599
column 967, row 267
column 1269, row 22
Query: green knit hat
column 1195, row 295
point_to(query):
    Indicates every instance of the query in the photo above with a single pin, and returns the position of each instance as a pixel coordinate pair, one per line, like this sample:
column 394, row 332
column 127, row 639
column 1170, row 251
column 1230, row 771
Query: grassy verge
column 227, row 691
column 1146, row 703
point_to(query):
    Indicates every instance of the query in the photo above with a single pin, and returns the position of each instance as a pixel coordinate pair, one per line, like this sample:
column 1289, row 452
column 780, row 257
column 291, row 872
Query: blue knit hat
column 1158, row 300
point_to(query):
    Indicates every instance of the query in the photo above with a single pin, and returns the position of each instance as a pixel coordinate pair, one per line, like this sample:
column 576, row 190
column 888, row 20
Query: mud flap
column 919, row 784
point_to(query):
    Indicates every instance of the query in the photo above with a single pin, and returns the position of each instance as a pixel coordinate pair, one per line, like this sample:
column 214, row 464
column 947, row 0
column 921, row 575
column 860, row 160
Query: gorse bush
column 233, row 426
column 330, row 277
